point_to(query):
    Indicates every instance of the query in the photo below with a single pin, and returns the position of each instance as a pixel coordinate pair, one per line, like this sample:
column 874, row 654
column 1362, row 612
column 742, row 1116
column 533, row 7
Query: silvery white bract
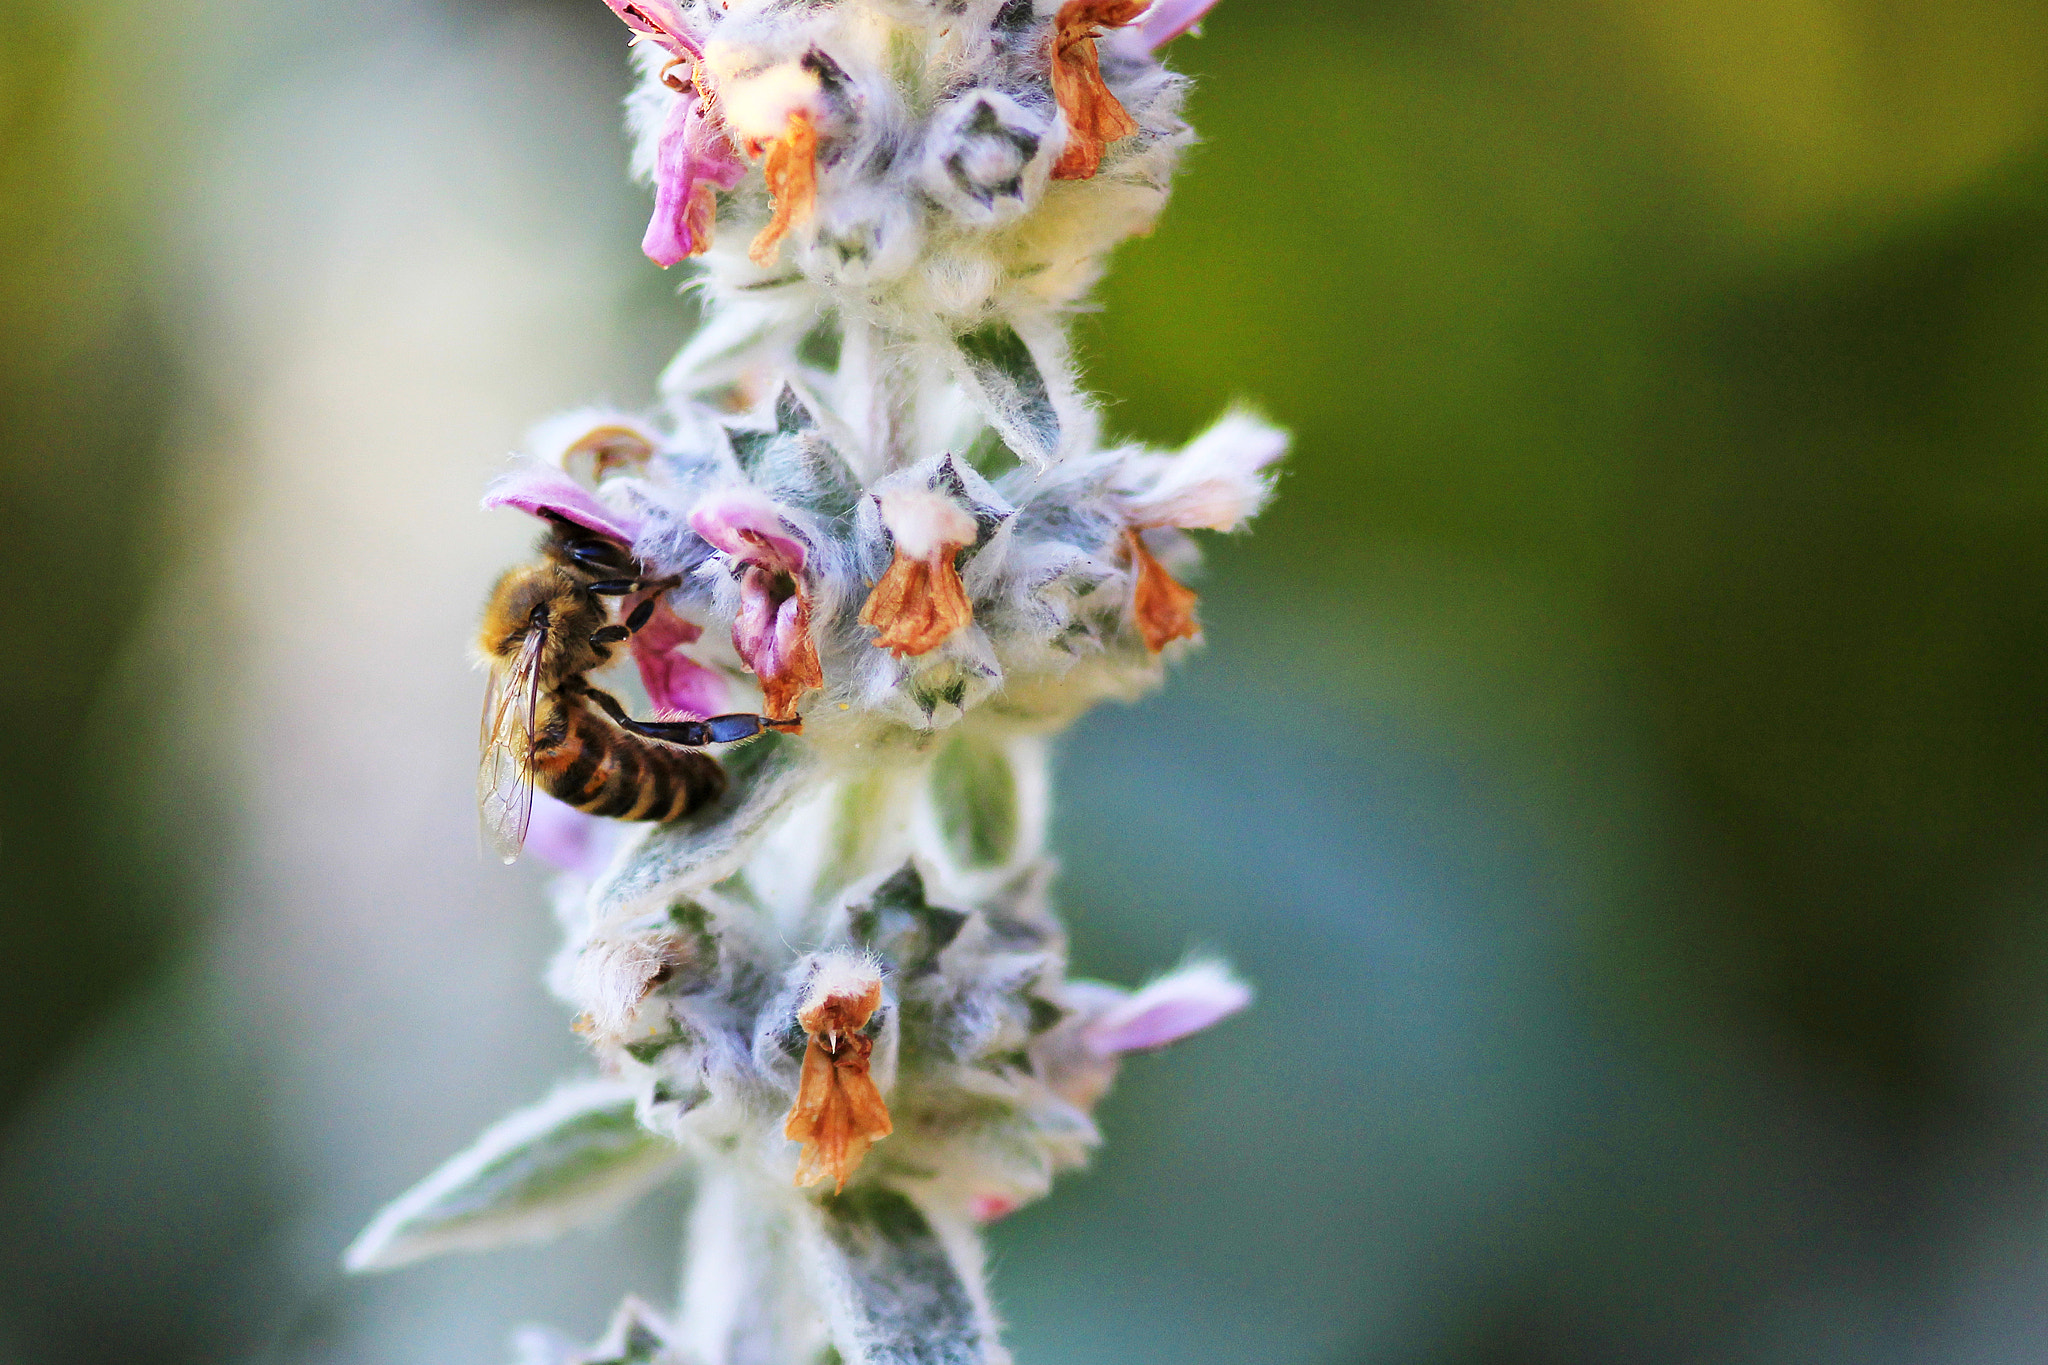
column 873, row 507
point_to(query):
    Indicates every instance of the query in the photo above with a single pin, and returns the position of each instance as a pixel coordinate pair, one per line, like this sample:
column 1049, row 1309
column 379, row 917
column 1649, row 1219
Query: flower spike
column 876, row 462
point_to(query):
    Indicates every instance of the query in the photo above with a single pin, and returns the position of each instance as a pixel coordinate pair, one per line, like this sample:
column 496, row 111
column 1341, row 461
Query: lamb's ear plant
column 874, row 498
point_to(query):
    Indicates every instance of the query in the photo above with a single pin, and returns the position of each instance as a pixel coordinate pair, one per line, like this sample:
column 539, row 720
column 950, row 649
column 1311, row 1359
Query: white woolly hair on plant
column 775, row 694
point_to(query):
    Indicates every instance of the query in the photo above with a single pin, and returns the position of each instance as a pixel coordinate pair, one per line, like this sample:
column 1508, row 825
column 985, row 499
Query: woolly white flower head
column 940, row 178
column 936, row 136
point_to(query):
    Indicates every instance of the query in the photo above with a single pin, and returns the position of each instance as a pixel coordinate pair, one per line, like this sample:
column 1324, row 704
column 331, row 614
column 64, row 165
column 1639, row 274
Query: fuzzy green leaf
column 563, row 1163
column 708, row 845
column 895, row 1295
column 1006, row 377
column 975, row 791
column 900, row 924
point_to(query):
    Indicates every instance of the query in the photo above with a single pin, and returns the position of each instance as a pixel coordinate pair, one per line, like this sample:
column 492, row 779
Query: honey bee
column 545, row 626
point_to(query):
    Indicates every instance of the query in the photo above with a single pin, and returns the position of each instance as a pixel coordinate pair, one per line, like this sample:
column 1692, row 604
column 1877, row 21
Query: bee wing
column 504, row 774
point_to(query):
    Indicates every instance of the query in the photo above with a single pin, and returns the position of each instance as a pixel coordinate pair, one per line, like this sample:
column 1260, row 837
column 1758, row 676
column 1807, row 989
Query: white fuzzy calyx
column 849, row 979
column 756, row 98
column 923, row 522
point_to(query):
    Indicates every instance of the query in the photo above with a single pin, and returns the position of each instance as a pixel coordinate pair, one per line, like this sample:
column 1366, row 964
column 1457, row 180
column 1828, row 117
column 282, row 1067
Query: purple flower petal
column 986, row 1208
column 679, row 686
column 769, row 628
column 658, row 19
column 566, row 838
column 671, row 235
column 1171, row 1008
column 692, row 155
column 751, row 529
column 538, row 490
column 1168, row 19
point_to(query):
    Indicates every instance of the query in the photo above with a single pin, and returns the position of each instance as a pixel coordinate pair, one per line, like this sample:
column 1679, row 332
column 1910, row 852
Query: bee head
column 586, row 553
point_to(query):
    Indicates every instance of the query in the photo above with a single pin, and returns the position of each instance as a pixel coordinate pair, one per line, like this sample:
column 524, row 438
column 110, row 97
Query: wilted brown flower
column 1164, row 606
column 838, row 1113
column 1094, row 116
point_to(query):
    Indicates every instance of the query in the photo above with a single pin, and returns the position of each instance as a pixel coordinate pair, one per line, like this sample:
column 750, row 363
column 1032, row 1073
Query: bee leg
column 588, row 549
column 644, row 612
column 726, row 729
column 692, row 733
column 605, row 636
column 609, row 704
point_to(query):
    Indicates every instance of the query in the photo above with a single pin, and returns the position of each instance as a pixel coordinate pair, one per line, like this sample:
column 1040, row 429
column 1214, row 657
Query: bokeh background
column 1620, row 757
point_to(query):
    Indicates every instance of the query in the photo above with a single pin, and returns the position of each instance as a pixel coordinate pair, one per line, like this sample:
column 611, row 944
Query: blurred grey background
column 1620, row 757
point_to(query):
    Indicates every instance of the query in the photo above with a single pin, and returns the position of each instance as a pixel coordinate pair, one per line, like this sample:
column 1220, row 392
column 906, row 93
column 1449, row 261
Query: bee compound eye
column 592, row 551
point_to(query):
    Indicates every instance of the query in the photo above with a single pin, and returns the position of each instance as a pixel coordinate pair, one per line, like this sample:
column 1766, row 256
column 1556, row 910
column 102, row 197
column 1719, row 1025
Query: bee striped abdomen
column 599, row 768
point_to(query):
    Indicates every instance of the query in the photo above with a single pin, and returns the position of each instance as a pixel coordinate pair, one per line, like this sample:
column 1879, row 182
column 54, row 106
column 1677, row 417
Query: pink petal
column 787, row 639
column 678, row 685
column 750, row 528
column 1171, row 1008
column 986, row 1208
column 1169, row 19
column 539, row 490
column 753, row 630
column 657, row 19
column 671, row 236
column 768, row 630
column 566, row 838
column 693, row 155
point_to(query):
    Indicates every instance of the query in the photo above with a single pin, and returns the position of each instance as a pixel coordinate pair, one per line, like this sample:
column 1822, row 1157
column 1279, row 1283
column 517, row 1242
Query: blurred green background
column 1619, row 757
